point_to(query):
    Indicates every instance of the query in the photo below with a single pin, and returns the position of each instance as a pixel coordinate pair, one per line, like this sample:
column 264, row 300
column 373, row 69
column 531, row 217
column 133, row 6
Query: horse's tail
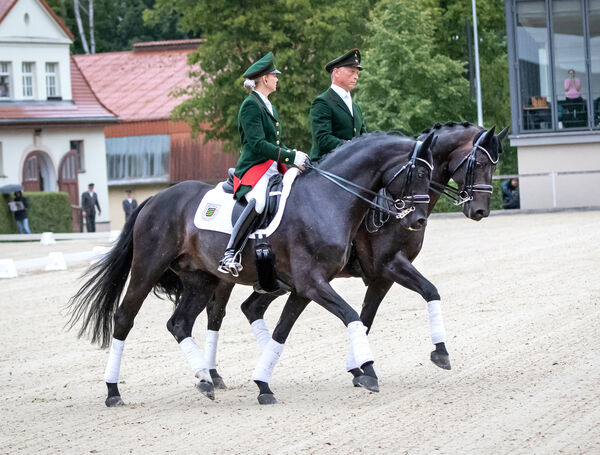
column 97, row 300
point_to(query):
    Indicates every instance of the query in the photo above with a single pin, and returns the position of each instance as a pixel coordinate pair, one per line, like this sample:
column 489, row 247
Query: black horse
column 163, row 250
column 385, row 250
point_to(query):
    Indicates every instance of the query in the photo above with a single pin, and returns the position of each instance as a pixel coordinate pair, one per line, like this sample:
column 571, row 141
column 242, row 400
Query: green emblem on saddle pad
column 211, row 211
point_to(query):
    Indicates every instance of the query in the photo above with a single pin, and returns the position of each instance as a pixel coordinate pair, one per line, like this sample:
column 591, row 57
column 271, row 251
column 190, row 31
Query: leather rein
column 466, row 195
column 403, row 206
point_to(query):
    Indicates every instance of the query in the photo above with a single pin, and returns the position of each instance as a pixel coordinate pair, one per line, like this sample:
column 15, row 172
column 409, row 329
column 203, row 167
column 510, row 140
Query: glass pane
column 534, row 67
column 594, row 25
column 570, row 73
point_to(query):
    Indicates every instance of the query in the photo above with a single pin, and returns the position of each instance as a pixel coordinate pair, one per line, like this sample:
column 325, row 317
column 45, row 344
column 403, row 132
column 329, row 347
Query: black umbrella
column 6, row 189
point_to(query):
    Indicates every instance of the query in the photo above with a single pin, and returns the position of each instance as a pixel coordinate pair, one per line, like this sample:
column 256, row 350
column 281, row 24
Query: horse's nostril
column 422, row 221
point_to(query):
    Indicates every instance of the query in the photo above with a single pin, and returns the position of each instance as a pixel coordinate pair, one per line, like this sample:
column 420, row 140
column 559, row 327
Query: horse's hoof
column 206, row 388
column 355, row 381
column 368, row 382
column 114, row 401
column 441, row 360
column 267, row 398
column 219, row 383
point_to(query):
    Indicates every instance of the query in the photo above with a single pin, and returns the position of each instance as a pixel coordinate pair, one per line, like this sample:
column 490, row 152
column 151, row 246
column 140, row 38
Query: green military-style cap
column 350, row 58
column 265, row 65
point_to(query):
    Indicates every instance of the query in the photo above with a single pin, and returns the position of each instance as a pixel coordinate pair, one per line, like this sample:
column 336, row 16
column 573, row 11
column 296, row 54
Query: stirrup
column 231, row 263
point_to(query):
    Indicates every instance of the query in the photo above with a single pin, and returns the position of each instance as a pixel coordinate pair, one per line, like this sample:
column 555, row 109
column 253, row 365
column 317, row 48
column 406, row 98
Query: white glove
column 301, row 159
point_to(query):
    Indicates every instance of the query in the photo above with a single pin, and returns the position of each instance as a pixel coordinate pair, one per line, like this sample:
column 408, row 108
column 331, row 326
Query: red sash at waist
column 253, row 175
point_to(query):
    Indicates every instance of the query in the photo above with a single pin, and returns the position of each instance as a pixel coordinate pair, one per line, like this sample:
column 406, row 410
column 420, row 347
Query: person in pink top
column 572, row 86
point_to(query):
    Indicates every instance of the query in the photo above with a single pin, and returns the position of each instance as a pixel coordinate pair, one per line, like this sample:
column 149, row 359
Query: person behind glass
column 21, row 215
column 129, row 205
column 334, row 117
column 89, row 202
column 263, row 155
column 572, row 86
column 510, row 194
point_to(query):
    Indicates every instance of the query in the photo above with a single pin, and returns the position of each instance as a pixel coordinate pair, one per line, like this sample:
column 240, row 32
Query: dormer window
column 5, row 83
column 52, row 87
column 28, row 79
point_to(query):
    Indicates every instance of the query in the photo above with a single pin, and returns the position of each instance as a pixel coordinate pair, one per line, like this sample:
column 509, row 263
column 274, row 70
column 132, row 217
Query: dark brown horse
column 385, row 250
column 162, row 249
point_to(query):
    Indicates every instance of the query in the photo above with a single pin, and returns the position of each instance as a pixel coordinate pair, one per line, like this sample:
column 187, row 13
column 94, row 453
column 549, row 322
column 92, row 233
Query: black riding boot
column 231, row 262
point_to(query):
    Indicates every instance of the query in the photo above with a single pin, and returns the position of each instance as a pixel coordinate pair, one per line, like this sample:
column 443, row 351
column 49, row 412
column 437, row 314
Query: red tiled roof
column 85, row 107
column 136, row 85
column 6, row 6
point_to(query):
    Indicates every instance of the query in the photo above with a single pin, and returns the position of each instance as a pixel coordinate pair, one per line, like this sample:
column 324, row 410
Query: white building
column 51, row 122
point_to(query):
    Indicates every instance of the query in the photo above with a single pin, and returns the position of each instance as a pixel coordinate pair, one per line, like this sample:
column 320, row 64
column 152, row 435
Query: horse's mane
column 448, row 124
column 354, row 144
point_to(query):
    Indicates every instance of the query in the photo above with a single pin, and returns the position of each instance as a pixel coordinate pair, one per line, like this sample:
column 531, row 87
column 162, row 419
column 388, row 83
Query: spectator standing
column 129, row 205
column 21, row 214
column 89, row 202
column 510, row 194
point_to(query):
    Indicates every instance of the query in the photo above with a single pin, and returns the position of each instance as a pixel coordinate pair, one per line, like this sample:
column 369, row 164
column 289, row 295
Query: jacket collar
column 335, row 97
column 257, row 97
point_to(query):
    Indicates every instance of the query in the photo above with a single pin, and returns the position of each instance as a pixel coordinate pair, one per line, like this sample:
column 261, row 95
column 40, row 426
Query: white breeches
column 259, row 192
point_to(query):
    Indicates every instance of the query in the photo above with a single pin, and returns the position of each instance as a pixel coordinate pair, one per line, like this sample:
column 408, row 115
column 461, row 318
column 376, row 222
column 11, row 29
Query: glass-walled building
column 554, row 61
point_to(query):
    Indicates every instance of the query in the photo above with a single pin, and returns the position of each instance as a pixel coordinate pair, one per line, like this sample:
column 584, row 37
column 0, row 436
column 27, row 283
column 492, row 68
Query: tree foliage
column 303, row 35
column 117, row 23
column 408, row 84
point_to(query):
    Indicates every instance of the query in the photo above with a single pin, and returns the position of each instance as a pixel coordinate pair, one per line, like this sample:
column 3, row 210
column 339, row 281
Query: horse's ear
column 502, row 134
column 488, row 135
column 428, row 141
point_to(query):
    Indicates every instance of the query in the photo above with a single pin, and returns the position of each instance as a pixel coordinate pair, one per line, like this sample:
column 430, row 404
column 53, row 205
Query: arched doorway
column 38, row 172
column 67, row 182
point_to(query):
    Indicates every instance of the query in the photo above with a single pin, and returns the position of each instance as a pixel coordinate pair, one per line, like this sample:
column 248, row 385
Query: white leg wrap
column 268, row 360
column 350, row 361
column 436, row 322
column 359, row 343
column 261, row 332
column 111, row 374
column 210, row 348
column 195, row 359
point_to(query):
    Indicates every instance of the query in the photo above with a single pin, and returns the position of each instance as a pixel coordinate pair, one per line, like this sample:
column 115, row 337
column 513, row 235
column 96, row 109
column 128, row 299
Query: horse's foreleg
column 198, row 288
column 254, row 308
column 273, row 349
column 216, row 312
column 361, row 354
column 375, row 293
column 404, row 273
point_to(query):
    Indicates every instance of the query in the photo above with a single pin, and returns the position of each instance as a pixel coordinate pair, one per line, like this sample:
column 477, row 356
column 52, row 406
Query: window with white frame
column 52, row 89
column 27, row 71
column 5, row 85
column 78, row 146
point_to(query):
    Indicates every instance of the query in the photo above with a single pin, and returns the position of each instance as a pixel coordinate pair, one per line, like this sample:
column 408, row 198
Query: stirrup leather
column 231, row 262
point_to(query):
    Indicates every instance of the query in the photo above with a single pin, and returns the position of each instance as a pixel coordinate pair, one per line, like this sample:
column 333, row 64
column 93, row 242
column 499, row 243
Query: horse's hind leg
column 140, row 285
column 215, row 313
column 198, row 288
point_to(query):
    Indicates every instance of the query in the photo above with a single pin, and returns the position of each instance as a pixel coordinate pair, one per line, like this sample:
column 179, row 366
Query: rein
column 403, row 206
column 466, row 195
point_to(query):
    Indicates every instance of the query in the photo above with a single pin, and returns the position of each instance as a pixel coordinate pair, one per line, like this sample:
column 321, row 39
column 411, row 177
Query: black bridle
column 403, row 205
column 460, row 197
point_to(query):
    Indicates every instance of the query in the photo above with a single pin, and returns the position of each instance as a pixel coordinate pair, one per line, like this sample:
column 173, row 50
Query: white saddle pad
column 214, row 211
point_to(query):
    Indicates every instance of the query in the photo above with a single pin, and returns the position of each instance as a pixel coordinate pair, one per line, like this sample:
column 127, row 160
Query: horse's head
column 409, row 186
column 472, row 167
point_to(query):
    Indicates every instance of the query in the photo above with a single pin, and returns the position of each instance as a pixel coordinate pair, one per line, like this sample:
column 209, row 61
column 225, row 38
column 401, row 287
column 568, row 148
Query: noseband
column 466, row 195
column 403, row 205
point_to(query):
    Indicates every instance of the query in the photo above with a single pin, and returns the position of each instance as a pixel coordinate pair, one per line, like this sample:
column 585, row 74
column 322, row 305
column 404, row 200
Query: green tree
column 408, row 84
column 303, row 35
column 118, row 24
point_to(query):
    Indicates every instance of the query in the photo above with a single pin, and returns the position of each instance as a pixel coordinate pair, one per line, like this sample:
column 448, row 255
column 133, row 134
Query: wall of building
column 574, row 190
column 29, row 34
column 139, row 193
column 17, row 143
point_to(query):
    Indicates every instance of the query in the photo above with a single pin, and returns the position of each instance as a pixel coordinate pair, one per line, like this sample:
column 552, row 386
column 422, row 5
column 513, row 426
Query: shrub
column 47, row 212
